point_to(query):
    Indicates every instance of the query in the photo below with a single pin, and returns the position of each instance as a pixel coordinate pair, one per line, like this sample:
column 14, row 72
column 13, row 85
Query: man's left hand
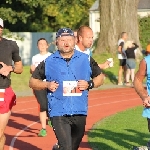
column 106, row 64
column 5, row 70
column 82, row 85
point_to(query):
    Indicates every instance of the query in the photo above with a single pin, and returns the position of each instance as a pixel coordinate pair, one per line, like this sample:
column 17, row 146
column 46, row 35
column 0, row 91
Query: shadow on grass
column 109, row 139
column 111, row 76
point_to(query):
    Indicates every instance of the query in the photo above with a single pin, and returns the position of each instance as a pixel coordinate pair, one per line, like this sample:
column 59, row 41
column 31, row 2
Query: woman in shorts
column 130, row 48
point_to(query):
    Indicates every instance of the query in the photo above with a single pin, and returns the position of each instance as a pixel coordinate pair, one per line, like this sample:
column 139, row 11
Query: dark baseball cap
column 64, row 32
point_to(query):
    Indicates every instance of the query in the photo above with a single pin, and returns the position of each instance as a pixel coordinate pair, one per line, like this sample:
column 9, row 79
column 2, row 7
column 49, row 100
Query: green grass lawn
column 120, row 132
column 20, row 82
column 111, row 73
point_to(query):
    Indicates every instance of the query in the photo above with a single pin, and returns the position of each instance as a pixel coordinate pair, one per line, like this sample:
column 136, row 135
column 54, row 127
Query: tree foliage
column 44, row 15
column 144, row 31
column 71, row 13
column 22, row 15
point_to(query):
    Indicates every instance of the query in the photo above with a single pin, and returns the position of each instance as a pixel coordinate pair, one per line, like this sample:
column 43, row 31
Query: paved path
column 24, row 125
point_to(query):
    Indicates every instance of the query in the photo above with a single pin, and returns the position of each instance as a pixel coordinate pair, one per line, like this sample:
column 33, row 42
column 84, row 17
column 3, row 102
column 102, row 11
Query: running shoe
column 49, row 123
column 128, row 84
column 56, row 147
column 120, row 83
column 42, row 133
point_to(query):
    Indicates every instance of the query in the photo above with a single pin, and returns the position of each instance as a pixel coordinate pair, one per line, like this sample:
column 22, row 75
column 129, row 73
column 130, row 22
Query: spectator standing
column 130, row 48
column 122, row 58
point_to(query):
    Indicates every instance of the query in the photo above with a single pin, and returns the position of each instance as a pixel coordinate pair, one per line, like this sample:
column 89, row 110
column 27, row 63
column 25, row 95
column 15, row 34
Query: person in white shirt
column 41, row 95
column 122, row 58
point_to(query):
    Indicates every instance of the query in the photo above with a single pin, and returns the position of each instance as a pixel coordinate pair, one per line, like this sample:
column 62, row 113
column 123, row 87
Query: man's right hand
column 5, row 70
column 146, row 102
column 52, row 86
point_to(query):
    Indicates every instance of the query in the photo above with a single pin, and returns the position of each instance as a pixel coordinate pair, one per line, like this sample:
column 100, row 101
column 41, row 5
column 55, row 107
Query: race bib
column 70, row 89
column 2, row 91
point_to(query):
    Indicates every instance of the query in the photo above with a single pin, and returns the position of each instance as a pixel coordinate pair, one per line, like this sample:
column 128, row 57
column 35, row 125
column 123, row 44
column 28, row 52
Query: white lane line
column 108, row 91
column 102, row 97
column 25, row 101
column 88, row 106
column 23, row 110
column 20, row 132
column 113, row 102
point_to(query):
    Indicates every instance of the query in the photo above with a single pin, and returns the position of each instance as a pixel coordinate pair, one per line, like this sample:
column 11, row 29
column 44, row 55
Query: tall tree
column 117, row 16
column 23, row 15
column 44, row 15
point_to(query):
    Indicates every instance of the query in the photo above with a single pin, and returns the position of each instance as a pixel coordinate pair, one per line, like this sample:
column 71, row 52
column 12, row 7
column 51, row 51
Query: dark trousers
column 69, row 131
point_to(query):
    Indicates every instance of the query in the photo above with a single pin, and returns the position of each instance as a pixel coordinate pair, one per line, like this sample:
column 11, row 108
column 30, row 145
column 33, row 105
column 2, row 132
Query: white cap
column 1, row 22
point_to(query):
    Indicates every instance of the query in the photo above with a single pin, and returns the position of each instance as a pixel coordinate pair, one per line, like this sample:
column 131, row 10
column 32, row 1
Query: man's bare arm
column 105, row 65
column 120, row 49
column 18, row 67
column 37, row 84
column 138, row 81
column 5, row 70
column 99, row 80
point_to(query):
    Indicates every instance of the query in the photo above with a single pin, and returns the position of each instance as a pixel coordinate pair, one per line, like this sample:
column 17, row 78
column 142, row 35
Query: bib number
column 70, row 89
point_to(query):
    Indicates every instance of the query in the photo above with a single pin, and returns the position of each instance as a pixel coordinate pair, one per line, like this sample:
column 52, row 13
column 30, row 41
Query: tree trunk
column 117, row 16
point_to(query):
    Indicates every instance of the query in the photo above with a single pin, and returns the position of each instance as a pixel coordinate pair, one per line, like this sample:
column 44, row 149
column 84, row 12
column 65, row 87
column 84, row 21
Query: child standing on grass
column 41, row 95
column 130, row 48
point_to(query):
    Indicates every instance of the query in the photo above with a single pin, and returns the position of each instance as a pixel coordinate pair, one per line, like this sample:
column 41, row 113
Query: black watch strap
column 91, row 84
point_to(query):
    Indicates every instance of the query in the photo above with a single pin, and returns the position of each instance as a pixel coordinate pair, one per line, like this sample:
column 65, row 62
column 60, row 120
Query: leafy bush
column 144, row 31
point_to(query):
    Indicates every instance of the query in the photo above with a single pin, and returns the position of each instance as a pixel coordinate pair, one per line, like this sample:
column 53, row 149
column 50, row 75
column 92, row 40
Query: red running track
column 23, row 126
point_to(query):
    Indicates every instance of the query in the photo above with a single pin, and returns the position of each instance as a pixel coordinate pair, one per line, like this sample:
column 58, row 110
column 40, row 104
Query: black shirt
column 130, row 51
column 39, row 72
column 122, row 45
column 9, row 51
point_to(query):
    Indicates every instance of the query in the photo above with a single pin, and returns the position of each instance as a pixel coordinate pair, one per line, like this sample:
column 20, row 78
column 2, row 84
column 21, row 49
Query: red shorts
column 8, row 102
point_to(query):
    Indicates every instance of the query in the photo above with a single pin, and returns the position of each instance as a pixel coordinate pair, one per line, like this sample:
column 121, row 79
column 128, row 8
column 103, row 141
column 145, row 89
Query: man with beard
column 67, row 74
column 9, row 52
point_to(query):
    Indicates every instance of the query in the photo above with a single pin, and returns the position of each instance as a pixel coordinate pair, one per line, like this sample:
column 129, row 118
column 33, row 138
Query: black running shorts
column 122, row 62
column 41, row 96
